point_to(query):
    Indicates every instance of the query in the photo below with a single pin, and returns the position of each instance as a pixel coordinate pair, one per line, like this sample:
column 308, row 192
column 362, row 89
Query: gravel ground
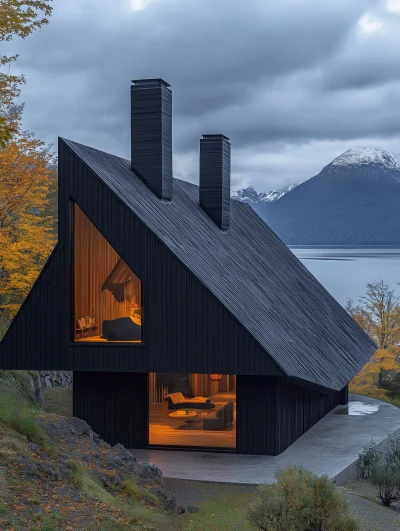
column 366, row 506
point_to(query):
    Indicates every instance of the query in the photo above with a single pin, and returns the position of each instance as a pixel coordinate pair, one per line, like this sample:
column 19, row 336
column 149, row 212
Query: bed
column 122, row 329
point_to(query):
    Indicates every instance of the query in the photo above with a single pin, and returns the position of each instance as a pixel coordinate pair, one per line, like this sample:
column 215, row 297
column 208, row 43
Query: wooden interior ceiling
column 104, row 285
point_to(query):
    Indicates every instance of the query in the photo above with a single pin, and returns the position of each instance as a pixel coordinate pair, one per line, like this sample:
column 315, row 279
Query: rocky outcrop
column 56, row 378
column 109, row 465
column 60, row 468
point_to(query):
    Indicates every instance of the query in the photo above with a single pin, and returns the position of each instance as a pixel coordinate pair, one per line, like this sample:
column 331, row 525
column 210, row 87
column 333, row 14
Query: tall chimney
column 151, row 134
column 215, row 178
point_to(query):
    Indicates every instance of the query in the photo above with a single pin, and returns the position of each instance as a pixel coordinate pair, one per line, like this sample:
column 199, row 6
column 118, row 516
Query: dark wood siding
column 273, row 412
column 185, row 328
column 343, row 395
column 115, row 405
column 33, row 340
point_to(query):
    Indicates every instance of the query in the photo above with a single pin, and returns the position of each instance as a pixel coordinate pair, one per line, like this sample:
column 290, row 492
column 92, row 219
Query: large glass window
column 107, row 294
column 197, row 410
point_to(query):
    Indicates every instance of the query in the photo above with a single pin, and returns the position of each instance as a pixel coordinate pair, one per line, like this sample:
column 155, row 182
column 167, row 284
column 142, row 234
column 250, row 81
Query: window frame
column 71, row 287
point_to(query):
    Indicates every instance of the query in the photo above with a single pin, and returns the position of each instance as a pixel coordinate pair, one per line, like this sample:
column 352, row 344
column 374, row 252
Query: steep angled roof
column 251, row 271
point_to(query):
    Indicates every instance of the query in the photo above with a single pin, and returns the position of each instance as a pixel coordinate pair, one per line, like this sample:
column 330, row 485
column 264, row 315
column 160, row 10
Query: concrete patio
column 330, row 447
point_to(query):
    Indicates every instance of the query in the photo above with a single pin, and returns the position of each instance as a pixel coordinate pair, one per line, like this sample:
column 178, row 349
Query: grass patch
column 150, row 518
column 14, row 442
column 21, row 419
column 95, row 490
column 3, row 507
column 131, row 489
column 52, row 522
column 11, row 444
column 131, row 505
column 82, row 481
column 58, row 400
column 77, row 473
column 228, row 514
column 20, row 382
column 108, row 524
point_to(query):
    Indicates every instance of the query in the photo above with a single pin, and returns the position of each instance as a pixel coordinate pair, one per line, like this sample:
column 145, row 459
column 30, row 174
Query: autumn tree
column 378, row 313
column 27, row 231
column 18, row 18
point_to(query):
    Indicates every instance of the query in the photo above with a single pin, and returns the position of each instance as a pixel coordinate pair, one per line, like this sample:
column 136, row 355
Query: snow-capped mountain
column 354, row 200
column 362, row 156
column 249, row 195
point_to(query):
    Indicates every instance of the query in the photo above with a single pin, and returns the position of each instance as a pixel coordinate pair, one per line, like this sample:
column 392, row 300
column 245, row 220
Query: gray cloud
column 290, row 82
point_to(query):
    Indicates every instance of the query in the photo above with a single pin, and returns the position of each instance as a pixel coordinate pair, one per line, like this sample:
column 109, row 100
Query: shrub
column 367, row 459
column 392, row 451
column 385, row 475
column 383, row 468
column 300, row 500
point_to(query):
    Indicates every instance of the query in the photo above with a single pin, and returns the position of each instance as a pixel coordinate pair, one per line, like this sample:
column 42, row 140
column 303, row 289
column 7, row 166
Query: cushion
column 176, row 398
column 81, row 323
column 92, row 320
column 199, row 399
column 136, row 319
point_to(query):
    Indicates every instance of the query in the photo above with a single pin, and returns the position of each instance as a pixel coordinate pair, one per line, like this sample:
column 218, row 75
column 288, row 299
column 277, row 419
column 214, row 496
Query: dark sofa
column 178, row 401
column 220, row 419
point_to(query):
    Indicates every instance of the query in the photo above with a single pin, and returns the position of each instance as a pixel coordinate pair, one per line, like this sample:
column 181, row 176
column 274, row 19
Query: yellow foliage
column 367, row 380
column 26, row 233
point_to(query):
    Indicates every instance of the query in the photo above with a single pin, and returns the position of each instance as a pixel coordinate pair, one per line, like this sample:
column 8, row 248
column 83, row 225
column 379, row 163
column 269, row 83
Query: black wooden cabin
column 185, row 319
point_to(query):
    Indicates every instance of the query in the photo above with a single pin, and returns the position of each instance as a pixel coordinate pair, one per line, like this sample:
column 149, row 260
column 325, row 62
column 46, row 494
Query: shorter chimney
column 151, row 134
column 215, row 178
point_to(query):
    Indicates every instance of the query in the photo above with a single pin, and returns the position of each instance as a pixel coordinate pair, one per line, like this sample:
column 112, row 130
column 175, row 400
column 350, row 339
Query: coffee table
column 185, row 415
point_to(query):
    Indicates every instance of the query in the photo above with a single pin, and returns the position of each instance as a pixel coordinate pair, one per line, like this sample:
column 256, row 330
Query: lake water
column 345, row 271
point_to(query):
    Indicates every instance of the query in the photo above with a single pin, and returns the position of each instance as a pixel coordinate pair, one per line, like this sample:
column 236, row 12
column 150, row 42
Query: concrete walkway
column 330, row 447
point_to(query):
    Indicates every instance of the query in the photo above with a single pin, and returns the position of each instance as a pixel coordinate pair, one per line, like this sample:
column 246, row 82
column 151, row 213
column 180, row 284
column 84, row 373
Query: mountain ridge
column 353, row 200
column 249, row 194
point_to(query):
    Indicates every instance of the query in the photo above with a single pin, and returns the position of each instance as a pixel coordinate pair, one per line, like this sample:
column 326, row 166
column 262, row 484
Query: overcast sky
column 293, row 83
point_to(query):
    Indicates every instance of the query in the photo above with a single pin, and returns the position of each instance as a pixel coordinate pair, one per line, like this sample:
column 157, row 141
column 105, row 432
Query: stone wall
column 56, row 378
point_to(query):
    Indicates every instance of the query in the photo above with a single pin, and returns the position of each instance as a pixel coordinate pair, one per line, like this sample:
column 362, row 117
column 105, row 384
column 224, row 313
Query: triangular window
column 107, row 293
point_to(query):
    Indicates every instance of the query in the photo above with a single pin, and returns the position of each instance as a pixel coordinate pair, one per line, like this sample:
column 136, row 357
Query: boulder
column 34, row 447
column 75, row 426
column 48, row 471
column 191, row 509
column 30, row 468
column 150, row 471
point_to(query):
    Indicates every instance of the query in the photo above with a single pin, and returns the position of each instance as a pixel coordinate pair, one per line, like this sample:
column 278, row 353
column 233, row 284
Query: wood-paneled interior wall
column 203, row 386
column 200, row 383
column 94, row 260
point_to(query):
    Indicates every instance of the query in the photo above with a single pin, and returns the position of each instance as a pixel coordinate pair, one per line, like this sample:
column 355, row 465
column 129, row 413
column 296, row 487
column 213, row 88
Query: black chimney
column 215, row 178
column 151, row 134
